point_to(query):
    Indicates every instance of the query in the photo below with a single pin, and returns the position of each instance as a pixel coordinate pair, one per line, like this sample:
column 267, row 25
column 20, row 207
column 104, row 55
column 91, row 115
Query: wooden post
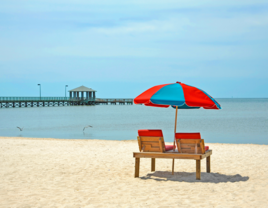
column 137, row 167
column 198, row 170
column 208, row 164
column 160, row 145
column 153, row 164
column 175, row 129
column 173, row 161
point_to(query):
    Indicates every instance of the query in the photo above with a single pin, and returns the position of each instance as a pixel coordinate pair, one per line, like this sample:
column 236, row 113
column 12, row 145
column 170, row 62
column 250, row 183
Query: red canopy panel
column 144, row 98
column 196, row 98
column 212, row 107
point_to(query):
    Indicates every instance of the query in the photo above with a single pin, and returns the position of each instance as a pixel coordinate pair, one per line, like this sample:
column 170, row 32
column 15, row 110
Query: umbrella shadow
column 191, row 177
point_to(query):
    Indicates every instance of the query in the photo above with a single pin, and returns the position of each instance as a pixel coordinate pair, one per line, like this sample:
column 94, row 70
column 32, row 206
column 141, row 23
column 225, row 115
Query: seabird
column 86, row 127
column 20, row 128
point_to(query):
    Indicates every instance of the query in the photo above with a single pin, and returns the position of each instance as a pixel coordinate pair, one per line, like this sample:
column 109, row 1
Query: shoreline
column 100, row 173
column 133, row 140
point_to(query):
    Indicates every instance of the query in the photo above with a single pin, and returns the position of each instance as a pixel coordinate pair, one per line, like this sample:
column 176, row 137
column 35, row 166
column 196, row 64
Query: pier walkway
column 7, row 102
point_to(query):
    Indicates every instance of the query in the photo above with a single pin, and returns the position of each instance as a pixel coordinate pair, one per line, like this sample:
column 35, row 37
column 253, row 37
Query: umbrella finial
column 178, row 82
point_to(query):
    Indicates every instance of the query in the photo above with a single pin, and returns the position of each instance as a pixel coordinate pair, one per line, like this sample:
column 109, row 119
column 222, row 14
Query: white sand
column 96, row 173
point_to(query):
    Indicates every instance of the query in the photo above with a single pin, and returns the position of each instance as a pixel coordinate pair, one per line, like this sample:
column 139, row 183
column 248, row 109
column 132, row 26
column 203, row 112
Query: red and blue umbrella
column 178, row 95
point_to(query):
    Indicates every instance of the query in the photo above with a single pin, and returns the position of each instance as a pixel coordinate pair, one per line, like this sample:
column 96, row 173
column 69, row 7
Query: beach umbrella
column 179, row 96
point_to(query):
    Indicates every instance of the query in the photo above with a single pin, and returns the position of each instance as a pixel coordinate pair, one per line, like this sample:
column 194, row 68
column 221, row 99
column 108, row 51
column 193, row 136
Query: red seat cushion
column 187, row 135
column 206, row 148
column 168, row 147
column 150, row 132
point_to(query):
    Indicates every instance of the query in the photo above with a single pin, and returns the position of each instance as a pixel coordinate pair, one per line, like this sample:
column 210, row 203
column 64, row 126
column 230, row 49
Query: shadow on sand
column 191, row 177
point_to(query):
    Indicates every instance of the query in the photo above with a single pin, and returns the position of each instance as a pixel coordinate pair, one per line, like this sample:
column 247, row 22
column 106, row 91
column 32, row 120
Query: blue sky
column 121, row 48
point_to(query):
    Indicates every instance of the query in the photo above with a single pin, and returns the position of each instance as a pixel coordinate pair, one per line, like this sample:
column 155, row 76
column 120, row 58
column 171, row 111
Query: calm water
column 240, row 121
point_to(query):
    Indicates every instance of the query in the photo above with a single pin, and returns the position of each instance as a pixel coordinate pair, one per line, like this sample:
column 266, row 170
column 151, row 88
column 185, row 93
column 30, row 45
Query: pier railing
column 44, row 99
column 8, row 102
column 113, row 100
column 31, row 99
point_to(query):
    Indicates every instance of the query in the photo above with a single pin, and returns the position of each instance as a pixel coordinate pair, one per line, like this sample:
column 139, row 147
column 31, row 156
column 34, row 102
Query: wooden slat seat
column 189, row 136
column 191, row 146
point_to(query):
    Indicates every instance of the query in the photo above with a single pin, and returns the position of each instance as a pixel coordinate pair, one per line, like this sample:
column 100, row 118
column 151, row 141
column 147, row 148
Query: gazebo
column 78, row 94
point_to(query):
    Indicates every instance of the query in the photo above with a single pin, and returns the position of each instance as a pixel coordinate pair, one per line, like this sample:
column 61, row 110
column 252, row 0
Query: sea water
column 239, row 121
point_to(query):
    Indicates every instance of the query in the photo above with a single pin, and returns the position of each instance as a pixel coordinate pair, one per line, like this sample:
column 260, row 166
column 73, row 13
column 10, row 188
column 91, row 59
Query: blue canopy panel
column 169, row 95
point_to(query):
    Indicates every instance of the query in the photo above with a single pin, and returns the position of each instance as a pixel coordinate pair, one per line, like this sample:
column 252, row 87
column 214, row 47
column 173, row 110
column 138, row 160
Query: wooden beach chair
column 189, row 145
column 179, row 136
column 152, row 140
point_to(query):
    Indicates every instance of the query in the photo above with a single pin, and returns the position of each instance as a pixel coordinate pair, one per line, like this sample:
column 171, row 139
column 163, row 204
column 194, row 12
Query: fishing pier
column 78, row 96
column 9, row 102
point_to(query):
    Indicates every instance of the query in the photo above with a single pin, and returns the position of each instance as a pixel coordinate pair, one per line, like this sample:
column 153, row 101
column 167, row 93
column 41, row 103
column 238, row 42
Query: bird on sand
column 86, row 127
column 20, row 128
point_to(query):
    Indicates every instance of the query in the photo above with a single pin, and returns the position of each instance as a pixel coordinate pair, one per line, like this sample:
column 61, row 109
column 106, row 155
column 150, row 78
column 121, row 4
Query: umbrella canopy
column 178, row 95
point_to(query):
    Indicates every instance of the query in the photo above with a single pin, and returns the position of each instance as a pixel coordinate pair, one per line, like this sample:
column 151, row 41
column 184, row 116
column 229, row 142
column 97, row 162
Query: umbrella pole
column 175, row 129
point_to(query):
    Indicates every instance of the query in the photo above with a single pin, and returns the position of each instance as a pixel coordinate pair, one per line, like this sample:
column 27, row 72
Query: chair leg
column 153, row 164
column 173, row 163
column 137, row 167
column 198, row 169
column 208, row 164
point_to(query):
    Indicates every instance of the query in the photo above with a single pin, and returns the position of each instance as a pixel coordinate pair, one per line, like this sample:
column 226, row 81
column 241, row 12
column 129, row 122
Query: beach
column 99, row 173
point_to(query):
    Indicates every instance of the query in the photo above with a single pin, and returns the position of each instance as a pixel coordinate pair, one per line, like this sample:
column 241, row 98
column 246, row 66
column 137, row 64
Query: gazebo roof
column 82, row 89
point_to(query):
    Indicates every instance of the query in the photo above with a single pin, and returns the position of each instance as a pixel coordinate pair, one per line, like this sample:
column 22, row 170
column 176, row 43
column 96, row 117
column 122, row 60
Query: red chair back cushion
column 187, row 135
column 150, row 132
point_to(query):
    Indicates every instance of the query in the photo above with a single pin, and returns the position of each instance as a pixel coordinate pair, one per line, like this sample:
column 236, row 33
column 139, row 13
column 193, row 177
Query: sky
column 122, row 48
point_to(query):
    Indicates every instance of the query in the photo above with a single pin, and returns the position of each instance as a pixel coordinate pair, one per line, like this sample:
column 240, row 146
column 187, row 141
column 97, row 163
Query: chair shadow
column 191, row 177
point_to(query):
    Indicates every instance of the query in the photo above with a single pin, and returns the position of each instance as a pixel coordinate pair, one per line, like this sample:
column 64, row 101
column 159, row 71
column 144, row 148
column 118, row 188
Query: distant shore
column 46, row 172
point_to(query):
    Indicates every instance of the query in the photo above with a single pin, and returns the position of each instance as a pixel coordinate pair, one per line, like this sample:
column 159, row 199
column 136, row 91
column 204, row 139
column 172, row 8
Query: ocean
column 240, row 121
